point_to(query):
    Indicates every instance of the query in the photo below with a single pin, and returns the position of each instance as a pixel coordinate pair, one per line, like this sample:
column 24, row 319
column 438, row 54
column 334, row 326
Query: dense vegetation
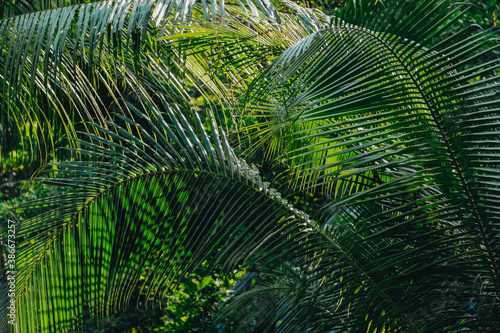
column 341, row 157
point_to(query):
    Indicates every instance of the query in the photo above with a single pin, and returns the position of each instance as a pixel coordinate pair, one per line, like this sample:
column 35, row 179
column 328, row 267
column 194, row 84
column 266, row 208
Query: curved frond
column 68, row 65
column 150, row 203
column 403, row 132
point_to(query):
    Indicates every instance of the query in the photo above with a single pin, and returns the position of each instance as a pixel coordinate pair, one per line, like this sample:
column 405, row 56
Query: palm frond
column 411, row 125
column 50, row 57
column 149, row 202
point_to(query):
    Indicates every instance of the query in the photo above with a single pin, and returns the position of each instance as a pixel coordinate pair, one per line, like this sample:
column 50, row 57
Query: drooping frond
column 380, row 270
column 151, row 202
column 67, row 65
column 154, row 198
column 401, row 128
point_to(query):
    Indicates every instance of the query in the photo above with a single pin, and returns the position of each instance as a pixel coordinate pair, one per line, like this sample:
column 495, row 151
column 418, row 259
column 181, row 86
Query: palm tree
column 372, row 107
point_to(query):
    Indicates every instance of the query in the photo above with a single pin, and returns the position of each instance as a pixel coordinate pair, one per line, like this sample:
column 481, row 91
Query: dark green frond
column 403, row 132
column 150, row 205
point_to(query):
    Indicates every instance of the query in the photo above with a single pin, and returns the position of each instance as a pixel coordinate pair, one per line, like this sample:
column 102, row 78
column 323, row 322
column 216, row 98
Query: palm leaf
column 380, row 104
column 148, row 203
column 51, row 60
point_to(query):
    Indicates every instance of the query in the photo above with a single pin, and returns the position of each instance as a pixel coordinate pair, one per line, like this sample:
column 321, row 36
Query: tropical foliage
column 179, row 145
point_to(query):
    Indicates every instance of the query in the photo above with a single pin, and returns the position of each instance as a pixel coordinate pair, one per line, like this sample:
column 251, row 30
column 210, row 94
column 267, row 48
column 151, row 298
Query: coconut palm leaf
column 329, row 82
column 414, row 278
column 401, row 128
column 149, row 203
column 154, row 198
column 51, row 59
